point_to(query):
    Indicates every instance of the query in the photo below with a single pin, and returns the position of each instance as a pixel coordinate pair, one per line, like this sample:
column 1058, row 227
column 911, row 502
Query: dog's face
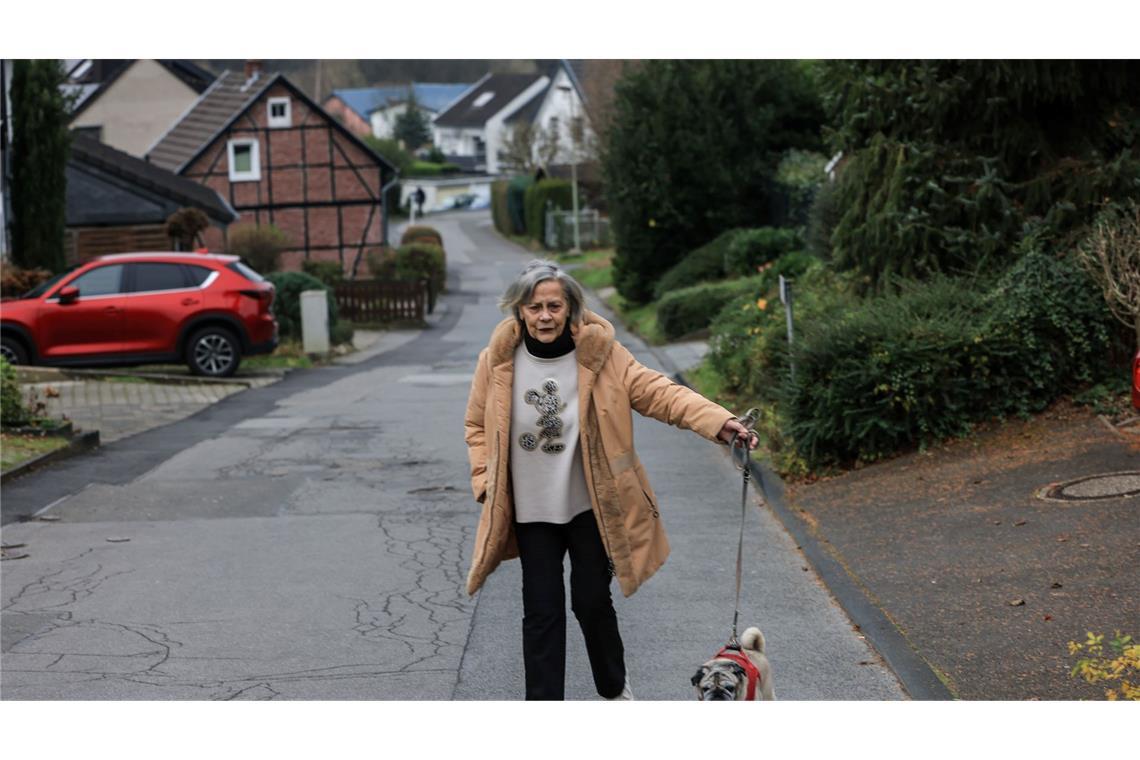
column 721, row 680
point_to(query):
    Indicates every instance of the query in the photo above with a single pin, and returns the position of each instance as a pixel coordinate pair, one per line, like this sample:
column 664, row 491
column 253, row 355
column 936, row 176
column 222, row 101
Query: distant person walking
column 549, row 432
column 420, row 197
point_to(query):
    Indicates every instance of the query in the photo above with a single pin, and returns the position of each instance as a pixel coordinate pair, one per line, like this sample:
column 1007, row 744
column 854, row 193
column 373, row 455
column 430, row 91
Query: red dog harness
column 750, row 669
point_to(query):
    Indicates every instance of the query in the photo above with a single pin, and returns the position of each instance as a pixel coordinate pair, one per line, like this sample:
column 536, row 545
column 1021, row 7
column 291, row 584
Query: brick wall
column 305, row 168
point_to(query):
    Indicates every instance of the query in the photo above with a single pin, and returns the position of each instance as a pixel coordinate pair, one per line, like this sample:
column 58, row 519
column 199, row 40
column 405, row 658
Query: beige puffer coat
column 611, row 383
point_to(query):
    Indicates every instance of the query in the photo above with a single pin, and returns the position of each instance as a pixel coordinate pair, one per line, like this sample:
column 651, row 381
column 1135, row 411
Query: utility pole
column 573, row 168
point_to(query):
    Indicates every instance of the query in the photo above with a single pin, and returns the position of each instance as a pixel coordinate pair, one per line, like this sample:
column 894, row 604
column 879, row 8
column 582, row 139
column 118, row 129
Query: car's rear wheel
column 13, row 350
column 213, row 352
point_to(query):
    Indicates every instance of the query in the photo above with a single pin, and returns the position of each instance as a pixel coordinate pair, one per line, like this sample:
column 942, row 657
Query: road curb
column 916, row 675
column 29, row 375
column 79, row 444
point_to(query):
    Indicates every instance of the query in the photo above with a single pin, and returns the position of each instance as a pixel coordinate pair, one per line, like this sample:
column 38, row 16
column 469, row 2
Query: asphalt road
column 309, row 541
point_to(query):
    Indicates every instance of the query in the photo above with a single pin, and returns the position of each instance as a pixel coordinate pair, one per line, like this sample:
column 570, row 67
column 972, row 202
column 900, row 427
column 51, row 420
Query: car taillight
column 1136, row 382
column 263, row 296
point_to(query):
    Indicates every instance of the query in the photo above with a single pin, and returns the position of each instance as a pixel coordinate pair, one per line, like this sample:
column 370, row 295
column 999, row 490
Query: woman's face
column 546, row 312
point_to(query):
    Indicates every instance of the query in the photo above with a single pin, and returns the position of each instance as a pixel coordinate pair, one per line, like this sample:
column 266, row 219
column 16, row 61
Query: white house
column 472, row 131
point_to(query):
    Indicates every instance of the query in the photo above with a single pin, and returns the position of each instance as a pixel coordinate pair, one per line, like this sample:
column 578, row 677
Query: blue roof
column 432, row 96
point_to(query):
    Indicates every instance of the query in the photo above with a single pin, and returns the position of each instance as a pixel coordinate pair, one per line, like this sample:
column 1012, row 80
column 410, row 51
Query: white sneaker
column 626, row 693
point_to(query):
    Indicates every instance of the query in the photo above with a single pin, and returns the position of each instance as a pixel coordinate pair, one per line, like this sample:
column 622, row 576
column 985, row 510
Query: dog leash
column 742, row 464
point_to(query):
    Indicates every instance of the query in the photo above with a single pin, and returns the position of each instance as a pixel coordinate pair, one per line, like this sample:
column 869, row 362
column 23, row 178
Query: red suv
column 207, row 310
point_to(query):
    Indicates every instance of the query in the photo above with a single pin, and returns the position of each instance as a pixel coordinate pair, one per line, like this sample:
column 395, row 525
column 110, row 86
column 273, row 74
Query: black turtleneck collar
column 560, row 346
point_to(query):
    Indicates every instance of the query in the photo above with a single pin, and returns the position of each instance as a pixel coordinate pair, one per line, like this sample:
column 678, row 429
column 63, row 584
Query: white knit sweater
column 546, row 460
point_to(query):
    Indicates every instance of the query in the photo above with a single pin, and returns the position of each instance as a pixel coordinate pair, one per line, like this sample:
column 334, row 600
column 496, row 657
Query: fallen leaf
column 118, row 540
column 1062, row 539
column 997, row 522
column 1085, row 546
column 51, row 392
column 1048, row 617
column 1056, row 585
column 1019, row 523
column 48, row 518
column 1016, row 602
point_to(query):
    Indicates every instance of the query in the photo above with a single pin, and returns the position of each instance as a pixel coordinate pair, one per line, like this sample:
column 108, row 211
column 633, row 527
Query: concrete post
column 315, row 321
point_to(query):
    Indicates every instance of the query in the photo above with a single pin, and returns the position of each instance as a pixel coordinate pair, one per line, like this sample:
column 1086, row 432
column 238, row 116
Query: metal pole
column 786, row 298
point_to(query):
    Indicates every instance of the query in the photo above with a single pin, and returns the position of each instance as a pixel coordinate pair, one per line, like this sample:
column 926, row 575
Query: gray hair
column 536, row 271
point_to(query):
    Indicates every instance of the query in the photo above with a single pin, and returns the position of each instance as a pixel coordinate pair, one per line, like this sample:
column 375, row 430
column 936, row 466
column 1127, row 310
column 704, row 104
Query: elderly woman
column 549, row 433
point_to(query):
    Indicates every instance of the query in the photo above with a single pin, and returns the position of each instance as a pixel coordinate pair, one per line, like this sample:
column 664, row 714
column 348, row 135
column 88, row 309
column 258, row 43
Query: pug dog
column 743, row 674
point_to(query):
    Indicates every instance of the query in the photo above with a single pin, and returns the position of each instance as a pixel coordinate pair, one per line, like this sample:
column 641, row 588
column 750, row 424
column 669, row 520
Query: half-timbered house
column 278, row 158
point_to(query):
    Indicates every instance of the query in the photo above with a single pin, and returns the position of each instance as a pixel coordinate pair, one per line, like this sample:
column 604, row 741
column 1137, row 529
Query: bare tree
column 528, row 147
column 1111, row 254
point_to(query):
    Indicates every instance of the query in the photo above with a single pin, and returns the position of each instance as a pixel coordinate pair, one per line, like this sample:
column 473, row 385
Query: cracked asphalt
column 309, row 540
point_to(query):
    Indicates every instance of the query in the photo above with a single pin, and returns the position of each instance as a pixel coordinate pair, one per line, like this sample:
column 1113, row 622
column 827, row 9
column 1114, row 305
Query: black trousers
column 541, row 549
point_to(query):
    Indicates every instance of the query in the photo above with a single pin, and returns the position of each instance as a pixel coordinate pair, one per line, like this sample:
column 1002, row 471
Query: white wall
column 139, row 107
column 558, row 104
column 497, row 130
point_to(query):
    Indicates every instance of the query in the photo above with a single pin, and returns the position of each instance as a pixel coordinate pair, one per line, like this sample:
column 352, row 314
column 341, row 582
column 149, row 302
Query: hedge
column 925, row 364
column 701, row 265
column 690, row 309
column 287, row 301
column 422, row 261
column 516, row 203
column 557, row 193
column 499, row 212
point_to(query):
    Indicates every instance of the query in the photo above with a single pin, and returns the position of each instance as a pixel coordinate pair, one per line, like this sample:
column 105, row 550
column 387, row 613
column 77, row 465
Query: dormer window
column 483, row 99
column 280, row 113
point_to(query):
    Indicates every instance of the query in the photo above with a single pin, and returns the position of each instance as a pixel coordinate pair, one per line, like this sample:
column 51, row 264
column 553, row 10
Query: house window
column 245, row 162
column 483, row 100
column 280, row 113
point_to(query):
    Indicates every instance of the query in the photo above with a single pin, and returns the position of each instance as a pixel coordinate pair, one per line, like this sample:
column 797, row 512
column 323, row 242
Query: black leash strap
column 741, row 462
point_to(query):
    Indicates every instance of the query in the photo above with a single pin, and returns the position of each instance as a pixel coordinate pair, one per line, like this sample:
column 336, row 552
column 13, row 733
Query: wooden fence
column 383, row 301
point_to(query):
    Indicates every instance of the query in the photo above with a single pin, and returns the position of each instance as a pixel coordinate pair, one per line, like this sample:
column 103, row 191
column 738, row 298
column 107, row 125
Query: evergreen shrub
column 422, row 261
column 516, row 203
column 925, row 363
column 556, row 193
column 329, row 272
column 690, row 309
column 751, row 249
column 701, row 265
column 499, row 212
column 287, row 301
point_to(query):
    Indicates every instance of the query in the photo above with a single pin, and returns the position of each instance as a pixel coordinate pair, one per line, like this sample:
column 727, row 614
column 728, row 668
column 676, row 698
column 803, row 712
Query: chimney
column 252, row 69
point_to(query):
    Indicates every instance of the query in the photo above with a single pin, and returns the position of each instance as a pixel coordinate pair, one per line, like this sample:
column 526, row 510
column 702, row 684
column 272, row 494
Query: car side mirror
column 69, row 295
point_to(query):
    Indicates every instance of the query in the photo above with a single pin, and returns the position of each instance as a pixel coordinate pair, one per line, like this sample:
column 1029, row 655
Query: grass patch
column 17, row 449
column 594, row 269
column 289, row 354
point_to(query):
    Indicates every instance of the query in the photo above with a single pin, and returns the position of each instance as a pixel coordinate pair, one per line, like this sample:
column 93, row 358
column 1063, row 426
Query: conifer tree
column 691, row 149
column 40, row 147
column 946, row 161
column 412, row 126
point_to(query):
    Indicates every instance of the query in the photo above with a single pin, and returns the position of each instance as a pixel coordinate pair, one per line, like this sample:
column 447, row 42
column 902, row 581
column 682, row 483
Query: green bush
column 704, row 264
column 329, row 272
column 1055, row 317
column 382, row 262
column 690, row 309
column 799, row 177
column 926, row 363
column 750, row 249
column 421, row 233
column 748, row 338
column 422, row 261
column 260, row 246
column 287, row 302
column 430, row 169
column 499, row 212
column 555, row 193
column 13, row 412
column 341, row 333
column 516, row 203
